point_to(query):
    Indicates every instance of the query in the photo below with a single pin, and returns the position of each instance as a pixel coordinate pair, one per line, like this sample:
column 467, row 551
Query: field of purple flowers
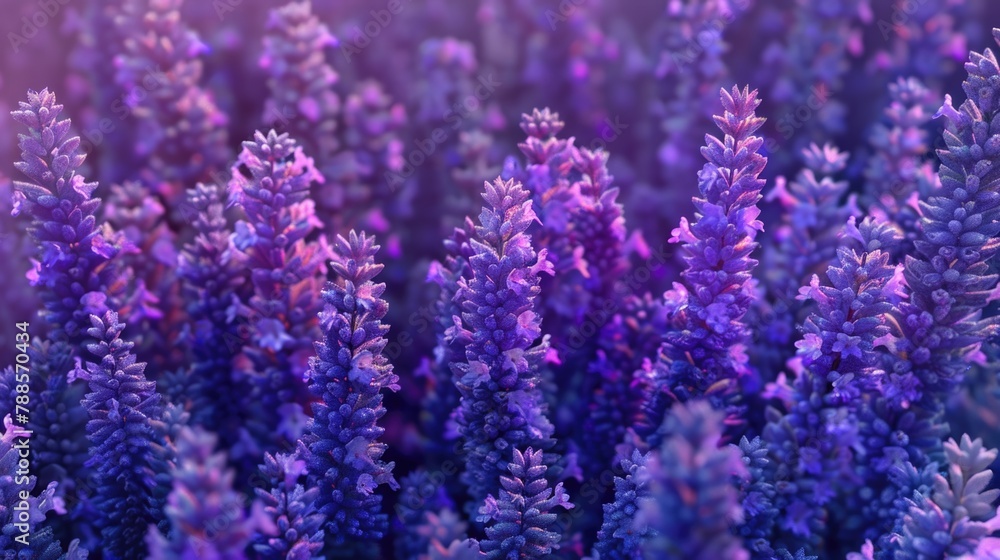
column 499, row 279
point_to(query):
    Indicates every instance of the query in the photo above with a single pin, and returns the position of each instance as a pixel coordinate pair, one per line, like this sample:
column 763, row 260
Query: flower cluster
column 952, row 518
column 367, row 170
column 286, row 264
column 348, row 375
column 520, row 519
column 123, row 405
column 704, row 353
column 501, row 407
column 806, row 367
column 898, row 171
column 815, row 212
column 301, row 101
column 180, row 132
column 948, row 275
column 22, row 508
column 74, row 252
column 837, row 365
column 442, row 395
column 815, row 59
column 625, row 380
column 426, row 515
column 209, row 268
column 207, row 517
column 291, row 508
column 691, row 502
column 619, row 537
column 689, row 77
column 546, row 174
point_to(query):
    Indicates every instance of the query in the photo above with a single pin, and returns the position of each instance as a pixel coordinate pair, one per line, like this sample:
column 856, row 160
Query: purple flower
column 123, row 406
column 810, row 69
column 899, row 172
column 210, row 268
column 691, row 499
column 301, row 97
column 817, row 437
column 620, row 535
column 951, row 518
column 704, row 339
column 348, row 375
column 180, row 134
column 203, row 495
column 502, row 356
column 519, row 521
column 810, row 347
column 286, row 266
column 688, row 65
column 291, row 509
column 22, row 521
column 367, row 174
column 947, row 273
column 426, row 516
column 73, row 273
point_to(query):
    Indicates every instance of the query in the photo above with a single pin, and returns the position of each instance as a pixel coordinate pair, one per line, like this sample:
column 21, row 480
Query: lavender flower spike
column 521, row 518
column 349, row 375
column 211, row 270
column 442, row 396
column 619, row 537
column 501, row 404
column 897, row 169
column 817, row 437
column 180, row 133
column 123, row 405
column 291, row 507
column 38, row 541
column 949, row 275
column 73, row 253
column 957, row 514
column 705, row 345
column 692, row 500
column 286, row 266
column 300, row 82
column 424, row 514
column 207, row 517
